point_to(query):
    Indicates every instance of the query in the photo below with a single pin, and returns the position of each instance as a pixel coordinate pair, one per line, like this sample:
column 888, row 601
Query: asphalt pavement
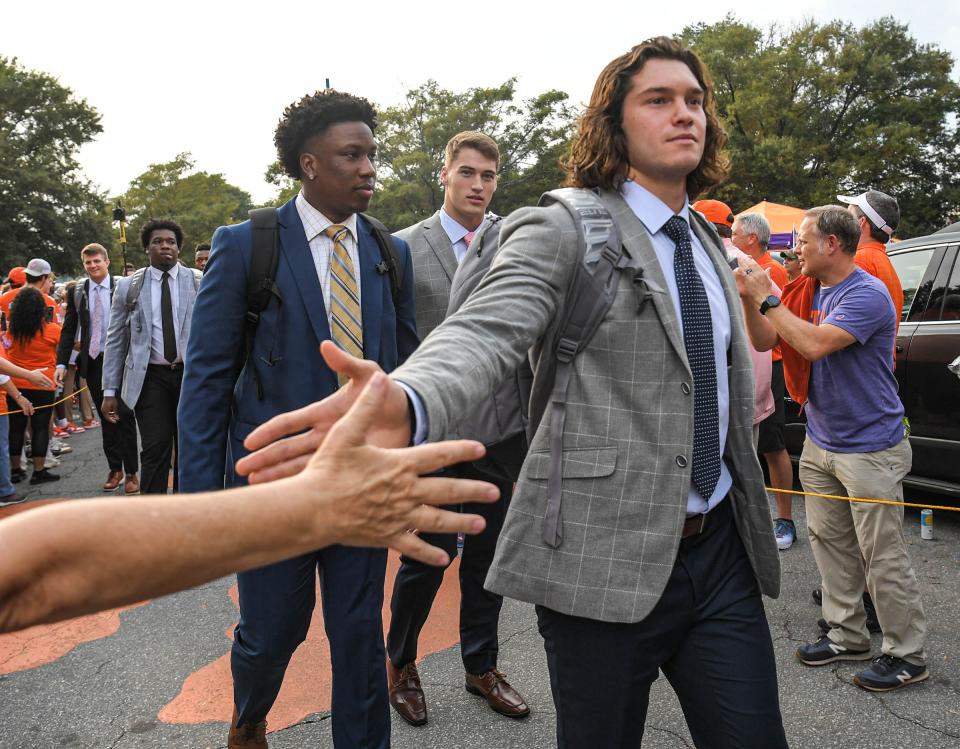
column 157, row 675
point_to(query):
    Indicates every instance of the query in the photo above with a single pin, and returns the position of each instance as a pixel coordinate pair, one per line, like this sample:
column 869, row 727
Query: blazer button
column 681, row 461
column 685, row 388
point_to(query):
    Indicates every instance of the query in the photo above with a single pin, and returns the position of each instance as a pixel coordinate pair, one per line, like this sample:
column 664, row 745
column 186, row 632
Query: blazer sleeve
column 212, row 364
column 69, row 332
column 466, row 357
column 407, row 338
column 118, row 339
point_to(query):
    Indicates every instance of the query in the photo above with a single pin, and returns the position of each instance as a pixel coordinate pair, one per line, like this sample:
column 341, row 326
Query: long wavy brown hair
column 598, row 155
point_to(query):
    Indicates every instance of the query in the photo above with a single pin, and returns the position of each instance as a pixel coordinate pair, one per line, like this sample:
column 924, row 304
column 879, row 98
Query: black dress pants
column 156, row 411
column 416, row 586
column 119, row 440
column 709, row 635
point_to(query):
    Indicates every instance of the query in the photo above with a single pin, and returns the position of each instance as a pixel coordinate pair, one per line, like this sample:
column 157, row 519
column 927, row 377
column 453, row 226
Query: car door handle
column 954, row 366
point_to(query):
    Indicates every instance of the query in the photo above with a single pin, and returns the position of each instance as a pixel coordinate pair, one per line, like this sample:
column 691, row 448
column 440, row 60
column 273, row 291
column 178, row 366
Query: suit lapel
column 295, row 252
column 187, row 293
column 371, row 289
column 637, row 241
column 145, row 299
column 440, row 244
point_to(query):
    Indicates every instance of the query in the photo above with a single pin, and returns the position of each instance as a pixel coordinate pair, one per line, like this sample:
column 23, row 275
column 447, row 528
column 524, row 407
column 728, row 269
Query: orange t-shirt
column 40, row 352
column 872, row 257
column 7, row 299
column 779, row 275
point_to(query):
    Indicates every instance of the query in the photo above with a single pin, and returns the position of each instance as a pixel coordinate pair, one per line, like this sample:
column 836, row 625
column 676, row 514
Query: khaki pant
column 856, row 540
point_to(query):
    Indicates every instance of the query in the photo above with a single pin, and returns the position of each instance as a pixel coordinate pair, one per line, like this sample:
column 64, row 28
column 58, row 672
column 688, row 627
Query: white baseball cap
column 861, row 202
column 38, row 267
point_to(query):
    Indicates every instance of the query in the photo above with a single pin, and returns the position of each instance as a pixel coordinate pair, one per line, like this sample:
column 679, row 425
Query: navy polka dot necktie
column 698, row 341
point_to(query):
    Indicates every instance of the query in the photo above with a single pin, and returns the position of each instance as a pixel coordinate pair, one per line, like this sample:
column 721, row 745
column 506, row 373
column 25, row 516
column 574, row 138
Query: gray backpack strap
column 590, row 295
column 133, row 290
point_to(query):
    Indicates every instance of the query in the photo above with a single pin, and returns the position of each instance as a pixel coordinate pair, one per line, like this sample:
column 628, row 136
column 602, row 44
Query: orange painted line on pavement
column 207, row 694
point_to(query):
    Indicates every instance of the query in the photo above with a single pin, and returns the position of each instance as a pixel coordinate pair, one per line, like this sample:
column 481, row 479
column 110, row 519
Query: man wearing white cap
column 878, row 215
column 38, row 272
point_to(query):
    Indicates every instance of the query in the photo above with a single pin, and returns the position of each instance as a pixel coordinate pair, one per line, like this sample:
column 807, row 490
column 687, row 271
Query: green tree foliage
column 47, row 208
column 531, row 135
column 198, row 201
column 817, row 110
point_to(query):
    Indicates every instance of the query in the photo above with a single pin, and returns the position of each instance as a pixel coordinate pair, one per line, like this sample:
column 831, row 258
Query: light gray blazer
column 127, row 352
column 434, row 266
column 628, row 438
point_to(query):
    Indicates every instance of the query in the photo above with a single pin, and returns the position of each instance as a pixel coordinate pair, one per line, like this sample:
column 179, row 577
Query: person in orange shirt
column 751, row 234
column 31, row 343
column 37, row 274
column 878, row 215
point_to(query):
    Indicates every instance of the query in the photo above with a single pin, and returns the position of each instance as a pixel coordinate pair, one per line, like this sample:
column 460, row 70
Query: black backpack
column 261, row 276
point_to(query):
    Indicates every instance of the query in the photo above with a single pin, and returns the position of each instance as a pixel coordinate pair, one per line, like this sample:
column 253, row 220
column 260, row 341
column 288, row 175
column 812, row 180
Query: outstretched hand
column 274, row 454
column 380, row 494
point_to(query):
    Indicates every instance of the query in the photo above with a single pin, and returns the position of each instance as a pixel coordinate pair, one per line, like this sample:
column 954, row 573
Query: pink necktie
column 468, row 238
column 96, row 324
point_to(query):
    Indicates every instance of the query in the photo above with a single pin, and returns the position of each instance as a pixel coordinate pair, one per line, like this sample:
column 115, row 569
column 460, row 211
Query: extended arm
column 73, row 558
column 812, row 342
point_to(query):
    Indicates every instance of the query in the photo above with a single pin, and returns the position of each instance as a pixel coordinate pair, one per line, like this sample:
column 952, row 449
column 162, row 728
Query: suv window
column 911, row 268
column 951, row 299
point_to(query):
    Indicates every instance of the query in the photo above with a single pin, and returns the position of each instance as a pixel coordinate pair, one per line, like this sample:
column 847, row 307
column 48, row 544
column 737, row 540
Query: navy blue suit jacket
column 218, row 401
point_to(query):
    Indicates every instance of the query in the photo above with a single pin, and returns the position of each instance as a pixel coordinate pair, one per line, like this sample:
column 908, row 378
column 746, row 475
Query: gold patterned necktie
column 346, row 322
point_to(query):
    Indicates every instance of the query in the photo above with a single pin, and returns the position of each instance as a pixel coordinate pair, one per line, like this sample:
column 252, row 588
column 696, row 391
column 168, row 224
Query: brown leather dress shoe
column 113, row 481
column 502, row 697
column 131, row 485
column 406, row 694
column 247, row 736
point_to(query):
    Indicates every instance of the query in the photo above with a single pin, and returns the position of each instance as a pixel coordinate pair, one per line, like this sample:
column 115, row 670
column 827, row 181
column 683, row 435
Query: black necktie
column 166, row 317
column 698, row 341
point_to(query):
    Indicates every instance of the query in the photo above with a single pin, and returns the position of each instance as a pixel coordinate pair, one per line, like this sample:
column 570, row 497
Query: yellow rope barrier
column 55, row 403
column 862, row 499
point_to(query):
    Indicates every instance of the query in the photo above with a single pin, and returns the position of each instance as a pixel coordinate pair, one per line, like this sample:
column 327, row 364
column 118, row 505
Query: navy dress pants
column 708, row 634
column 416, row 586
column 276, row 604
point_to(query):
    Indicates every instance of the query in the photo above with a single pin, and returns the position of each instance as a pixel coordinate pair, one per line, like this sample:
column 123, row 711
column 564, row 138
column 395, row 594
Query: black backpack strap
column 261, row 278
column 390, row 262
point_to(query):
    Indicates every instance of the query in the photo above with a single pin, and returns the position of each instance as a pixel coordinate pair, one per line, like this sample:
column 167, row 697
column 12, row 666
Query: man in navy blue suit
column 331, row 281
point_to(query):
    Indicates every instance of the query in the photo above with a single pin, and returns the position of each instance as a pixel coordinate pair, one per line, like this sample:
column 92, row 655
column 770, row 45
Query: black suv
column 928, row 342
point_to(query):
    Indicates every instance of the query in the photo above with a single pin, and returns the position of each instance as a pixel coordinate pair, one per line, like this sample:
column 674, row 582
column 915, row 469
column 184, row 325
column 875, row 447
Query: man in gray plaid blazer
column 438, row 244
column 665, row 542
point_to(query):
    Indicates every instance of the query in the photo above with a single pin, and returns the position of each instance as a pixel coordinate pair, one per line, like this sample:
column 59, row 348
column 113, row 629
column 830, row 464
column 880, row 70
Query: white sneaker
column 51, row 461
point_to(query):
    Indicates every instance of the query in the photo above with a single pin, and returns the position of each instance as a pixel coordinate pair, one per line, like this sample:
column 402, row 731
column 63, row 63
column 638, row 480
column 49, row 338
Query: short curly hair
column 312, row 115
column 156, row 224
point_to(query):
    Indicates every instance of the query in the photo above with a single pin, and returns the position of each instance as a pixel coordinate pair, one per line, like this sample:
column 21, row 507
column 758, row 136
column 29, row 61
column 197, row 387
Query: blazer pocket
column 578, row 463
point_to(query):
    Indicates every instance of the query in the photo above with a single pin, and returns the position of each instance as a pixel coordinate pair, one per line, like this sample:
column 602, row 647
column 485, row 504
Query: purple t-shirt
column 853, row 404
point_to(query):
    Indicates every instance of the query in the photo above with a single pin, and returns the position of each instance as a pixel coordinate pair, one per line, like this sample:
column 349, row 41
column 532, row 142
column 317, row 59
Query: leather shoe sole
column 495, row 701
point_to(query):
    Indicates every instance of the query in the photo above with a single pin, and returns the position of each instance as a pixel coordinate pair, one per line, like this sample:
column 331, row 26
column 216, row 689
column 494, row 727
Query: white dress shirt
column 156, row 333
column 653, row 214
column 94, row 288
column 321, row 246
column 457, row 233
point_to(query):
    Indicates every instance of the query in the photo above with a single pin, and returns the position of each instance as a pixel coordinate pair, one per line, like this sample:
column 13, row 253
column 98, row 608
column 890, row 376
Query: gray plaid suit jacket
column 629, row 427
column 434, row 266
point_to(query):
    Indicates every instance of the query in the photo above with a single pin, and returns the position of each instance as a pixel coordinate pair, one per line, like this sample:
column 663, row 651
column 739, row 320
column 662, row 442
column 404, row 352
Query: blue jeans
column 6, row 488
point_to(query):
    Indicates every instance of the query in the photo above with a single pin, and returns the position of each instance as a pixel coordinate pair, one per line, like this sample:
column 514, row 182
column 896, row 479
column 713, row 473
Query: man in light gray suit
column 148, row 333
column 438, row 245
column 665, row 541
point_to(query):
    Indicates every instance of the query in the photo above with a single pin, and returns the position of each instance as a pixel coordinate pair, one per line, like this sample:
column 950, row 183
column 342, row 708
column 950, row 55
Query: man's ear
column 443, row 175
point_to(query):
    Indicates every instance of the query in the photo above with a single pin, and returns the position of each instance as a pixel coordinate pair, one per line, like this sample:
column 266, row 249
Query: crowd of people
column 648, row 541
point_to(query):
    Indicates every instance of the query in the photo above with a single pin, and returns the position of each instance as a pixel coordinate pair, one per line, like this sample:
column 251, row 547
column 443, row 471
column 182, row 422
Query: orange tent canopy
column 783, row 220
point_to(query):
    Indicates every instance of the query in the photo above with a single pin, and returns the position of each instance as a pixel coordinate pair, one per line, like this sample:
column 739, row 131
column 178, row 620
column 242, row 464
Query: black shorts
column 771, row 428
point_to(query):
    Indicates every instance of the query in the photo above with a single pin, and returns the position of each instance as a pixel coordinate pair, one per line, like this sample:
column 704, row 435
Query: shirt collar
column 104, row 284
column 315, row 222
column 454, row 229
column 647, row 207
column 157, row 274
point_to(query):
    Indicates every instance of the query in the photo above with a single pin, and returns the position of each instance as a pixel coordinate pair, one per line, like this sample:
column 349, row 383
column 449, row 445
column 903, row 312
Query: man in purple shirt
column 856, row 446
